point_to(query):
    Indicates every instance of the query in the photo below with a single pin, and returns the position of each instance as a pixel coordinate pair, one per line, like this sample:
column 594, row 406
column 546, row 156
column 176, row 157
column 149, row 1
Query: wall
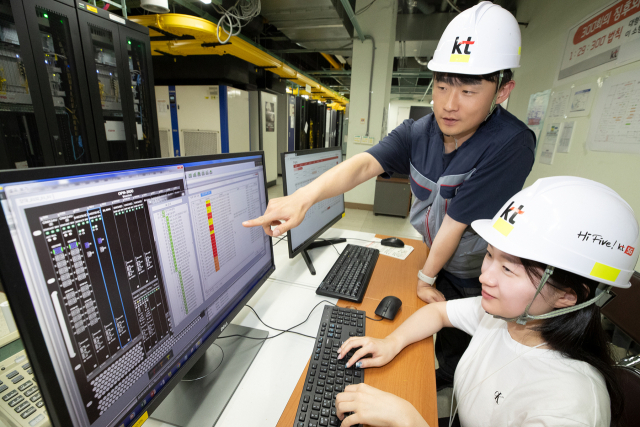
column 254, row 120
column 543, row 42
column 238, row 116
column 396, row 104
column 380, row 22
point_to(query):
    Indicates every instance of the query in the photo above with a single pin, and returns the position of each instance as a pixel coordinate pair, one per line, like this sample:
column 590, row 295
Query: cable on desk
column 334, row 246
column 219, row 364
column 283, row 331
column 280, row 240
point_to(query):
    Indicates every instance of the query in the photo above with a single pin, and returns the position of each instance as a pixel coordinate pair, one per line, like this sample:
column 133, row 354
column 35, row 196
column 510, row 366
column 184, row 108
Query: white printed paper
column 537, row 108
column 549, row 144
column 581, row 100
column 558, row 104
column 616, row 119
column 398, row 253
column 565, row 136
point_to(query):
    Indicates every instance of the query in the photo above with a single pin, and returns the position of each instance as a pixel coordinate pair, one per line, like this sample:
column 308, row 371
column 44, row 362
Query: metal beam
column 352, row 17
column 332, row 51
column 396, row 74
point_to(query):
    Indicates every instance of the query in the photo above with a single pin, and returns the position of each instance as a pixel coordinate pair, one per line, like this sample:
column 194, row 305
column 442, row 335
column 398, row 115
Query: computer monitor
column 299, row 169
column 121, row 275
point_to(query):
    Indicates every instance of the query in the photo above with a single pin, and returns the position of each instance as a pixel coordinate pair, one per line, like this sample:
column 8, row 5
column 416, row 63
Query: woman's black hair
column 579, row 334
column 467, row 79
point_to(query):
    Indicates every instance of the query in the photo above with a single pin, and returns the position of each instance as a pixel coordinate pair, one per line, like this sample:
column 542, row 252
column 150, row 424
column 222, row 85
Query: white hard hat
column 571, row 223
column 480, row 40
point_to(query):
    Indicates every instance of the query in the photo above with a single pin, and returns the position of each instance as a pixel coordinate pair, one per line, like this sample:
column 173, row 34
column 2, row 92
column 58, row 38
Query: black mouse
column 394, row 242
column 388, row 307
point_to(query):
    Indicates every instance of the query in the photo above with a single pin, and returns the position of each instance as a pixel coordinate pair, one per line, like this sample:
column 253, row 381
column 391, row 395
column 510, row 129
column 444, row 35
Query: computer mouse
column 388, row 307
column 394, row 242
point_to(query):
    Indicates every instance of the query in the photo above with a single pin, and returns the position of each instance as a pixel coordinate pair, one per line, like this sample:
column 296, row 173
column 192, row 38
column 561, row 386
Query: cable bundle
column 242, row 12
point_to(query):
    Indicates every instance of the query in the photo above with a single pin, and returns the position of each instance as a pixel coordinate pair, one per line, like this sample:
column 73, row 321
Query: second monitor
column 299, row 169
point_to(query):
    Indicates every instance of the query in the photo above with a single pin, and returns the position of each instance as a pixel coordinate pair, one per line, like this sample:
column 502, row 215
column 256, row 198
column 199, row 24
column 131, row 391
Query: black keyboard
column 327, row 376
column 350, row 275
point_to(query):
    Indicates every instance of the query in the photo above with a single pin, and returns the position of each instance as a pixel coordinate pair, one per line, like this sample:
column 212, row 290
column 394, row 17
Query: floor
column 366, row 221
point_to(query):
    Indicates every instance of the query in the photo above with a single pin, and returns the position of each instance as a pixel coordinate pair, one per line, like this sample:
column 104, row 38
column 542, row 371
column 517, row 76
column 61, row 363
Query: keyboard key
column 15, row 401
column 21, row 407
column 35, row 397
column 12, row 374
column 28, row 412
column 40, row 404
column 25, row 386
column 3, row 388
column 9, row 395
column 17, row 379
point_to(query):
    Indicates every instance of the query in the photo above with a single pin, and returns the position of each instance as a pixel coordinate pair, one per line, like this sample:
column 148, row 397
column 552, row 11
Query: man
column 465, row 160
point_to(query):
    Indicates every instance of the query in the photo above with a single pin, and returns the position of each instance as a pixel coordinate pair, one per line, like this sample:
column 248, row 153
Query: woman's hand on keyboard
column 382, row 351
column 363, row 404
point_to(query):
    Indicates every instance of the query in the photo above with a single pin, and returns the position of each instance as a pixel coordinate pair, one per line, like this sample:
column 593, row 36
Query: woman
column 539, row 356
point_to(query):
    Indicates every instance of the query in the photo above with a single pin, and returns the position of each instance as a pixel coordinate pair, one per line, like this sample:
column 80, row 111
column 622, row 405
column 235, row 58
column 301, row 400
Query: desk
column 411, row 374
column 270, row 390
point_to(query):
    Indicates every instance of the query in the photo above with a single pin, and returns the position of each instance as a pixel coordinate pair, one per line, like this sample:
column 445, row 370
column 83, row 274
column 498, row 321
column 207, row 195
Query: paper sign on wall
column 558, row 104
column 608, row 36
column 565, row 136
column 581, row 100
column 537, row 108
column 308, row 88
column 549, row 144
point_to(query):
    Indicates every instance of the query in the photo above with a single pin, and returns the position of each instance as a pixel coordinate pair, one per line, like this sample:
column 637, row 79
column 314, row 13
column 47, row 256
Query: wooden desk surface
column 411, row 375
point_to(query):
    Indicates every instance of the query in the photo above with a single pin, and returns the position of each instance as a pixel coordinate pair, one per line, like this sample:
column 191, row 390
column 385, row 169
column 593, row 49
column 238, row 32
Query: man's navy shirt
column 501, row 151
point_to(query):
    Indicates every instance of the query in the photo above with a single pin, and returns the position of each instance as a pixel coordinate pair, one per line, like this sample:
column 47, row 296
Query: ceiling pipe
column 334, row 64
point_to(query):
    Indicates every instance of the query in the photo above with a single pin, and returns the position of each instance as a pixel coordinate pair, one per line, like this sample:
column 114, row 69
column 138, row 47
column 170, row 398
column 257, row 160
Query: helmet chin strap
column 495, row 98
column 525, row 317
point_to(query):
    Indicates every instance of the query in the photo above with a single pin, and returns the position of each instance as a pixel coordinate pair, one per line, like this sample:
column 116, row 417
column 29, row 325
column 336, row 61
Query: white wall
column 269, row 139
column 254, row 120
column 238, row 117
column 399, row 106
column 379, row 22
column 164, row 120
column 542, row 44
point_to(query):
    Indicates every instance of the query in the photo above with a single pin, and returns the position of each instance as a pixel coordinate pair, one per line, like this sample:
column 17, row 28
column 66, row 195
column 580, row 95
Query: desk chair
column 629, row 379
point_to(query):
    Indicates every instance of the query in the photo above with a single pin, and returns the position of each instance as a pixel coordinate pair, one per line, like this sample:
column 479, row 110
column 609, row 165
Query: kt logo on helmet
column 511, row 208
column 456, row 46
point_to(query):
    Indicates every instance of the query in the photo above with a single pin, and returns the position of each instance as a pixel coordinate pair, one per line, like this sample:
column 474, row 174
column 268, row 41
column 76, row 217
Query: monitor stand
column 200, row 403
column 318, row 244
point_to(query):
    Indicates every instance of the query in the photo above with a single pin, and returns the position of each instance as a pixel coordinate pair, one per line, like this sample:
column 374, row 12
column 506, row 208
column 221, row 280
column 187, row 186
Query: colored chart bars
column 175, row 264
column 212, row 232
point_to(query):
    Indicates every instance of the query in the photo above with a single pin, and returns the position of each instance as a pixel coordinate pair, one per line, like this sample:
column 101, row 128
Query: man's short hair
column 467, row 79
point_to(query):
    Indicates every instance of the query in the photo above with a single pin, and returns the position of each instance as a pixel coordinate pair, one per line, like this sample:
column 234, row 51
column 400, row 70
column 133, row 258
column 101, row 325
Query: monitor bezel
column 15, row 285
column 306, row 243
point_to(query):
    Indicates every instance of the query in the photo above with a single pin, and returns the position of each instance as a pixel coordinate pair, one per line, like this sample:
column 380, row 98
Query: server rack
column 48, row 106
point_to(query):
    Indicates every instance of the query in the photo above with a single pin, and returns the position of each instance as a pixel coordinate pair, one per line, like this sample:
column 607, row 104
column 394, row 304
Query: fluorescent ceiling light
column 341, row 59
column 206, row 1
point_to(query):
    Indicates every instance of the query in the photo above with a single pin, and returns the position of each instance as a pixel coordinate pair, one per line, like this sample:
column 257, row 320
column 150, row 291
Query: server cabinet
column 107, row 80
column 55, row 44
column 20, row 131
column 141, row 99
column 120, row 79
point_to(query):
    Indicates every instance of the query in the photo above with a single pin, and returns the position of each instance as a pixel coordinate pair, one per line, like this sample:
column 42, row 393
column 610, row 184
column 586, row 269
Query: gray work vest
column 427, row 216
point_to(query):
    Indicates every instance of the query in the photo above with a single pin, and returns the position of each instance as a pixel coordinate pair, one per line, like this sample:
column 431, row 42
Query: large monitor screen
column 129, row 271
column 299, row 169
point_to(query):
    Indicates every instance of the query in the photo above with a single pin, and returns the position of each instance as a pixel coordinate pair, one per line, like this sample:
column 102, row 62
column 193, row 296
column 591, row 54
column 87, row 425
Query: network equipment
column 326, row 375
column 125, row 273
column 299, row 169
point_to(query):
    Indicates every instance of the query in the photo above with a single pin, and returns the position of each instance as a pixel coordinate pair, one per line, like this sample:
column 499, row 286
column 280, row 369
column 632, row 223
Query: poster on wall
column 270, row 116
column 558, row 103
column 565, row 136
column 549, row 144
column 537, row 108
column 611, row 36
column 616, row 117
column 581, row 100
